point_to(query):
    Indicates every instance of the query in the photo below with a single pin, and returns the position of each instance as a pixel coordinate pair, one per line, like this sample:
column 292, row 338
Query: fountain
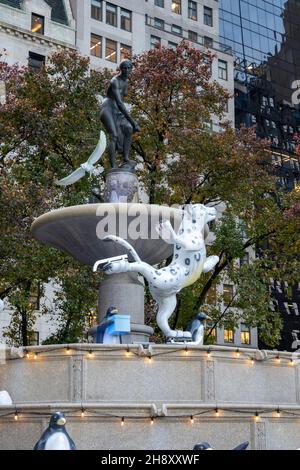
column 140, row 235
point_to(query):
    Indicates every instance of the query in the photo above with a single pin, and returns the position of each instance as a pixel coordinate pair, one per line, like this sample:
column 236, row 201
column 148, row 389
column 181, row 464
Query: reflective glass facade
column 265, row 37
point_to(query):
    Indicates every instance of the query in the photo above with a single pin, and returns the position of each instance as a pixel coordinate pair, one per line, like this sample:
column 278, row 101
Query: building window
column 111, row 15
column 245, row 334
column 208, row 16
column 244, row 259
column 193, row 36
column 33, row 338
column 222, row 70
column 192, row 10
column 227, row 293
column 159, row 3
column 126, row 20
column 212, row 330
column 35, row 296
column 211, row 297
column 158, row 23
column 37, row 24
column 96, row 45
column 176, row 6
column 125, row 51
column 155, row 41
column 176, row 29
column 207, row 41
column 228, row 335
column 172, row 45
column 96, row 9
column 36, row 61
column 111, row 50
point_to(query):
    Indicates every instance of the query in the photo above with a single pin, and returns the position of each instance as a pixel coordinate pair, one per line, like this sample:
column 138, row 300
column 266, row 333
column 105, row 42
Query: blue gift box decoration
column 120, row 325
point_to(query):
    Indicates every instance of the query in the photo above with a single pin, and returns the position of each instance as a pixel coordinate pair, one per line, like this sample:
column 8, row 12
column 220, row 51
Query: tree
column 45, row 130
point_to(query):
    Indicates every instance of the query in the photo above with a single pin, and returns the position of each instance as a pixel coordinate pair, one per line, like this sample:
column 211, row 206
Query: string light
column 27, row 354
column 278, row 358
column 292, row 362
column 237, row 352
column 252, row 361
column 90, row 353
column 35, row 356
column 186, row 351
column 68, row 350
column 127, row 351
column 217, row 412
column 150, row 359
column 208, row 352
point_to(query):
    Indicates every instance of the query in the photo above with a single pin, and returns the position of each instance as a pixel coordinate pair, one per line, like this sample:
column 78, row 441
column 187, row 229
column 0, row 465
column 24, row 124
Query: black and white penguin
column 203, row 446
column 196, row 327
column 207, row 446
column 242, row 446
column 55, row 437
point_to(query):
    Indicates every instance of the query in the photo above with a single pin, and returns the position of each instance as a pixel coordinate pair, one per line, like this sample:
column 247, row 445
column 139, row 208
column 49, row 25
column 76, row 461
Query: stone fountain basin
column 79, row 230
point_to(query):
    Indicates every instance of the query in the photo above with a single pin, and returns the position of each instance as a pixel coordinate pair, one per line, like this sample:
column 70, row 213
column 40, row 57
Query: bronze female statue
column 116, row 119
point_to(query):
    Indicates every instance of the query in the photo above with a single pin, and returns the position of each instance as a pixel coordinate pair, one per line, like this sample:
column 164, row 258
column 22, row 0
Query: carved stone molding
column 260, row 435
column 28, row 36
column 77, row 374
column 210, row 393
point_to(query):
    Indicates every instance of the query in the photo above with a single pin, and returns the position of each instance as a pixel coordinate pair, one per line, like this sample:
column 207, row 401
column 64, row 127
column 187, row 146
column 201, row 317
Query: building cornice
column 33, row 37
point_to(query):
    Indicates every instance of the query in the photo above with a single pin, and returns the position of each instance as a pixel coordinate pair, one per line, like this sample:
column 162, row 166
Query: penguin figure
column 207, row 446
column 102, row 335
column 5, row 398
column 203, row 446
column 55, row 437
column 196, row 327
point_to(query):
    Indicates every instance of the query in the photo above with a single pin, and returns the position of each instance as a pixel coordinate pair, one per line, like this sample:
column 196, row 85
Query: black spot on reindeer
column 197, row 257
column 187, row 261
column 178, row 247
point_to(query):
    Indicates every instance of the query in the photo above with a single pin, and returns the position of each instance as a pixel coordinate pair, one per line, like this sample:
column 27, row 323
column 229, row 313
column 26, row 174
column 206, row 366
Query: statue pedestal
column 121, row 186
column 126, row 293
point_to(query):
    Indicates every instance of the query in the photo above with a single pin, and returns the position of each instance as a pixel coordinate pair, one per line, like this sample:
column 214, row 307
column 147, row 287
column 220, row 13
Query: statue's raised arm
column 116, row 118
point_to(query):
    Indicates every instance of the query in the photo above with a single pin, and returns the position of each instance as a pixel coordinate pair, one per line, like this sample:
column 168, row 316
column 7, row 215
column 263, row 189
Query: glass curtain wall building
column 265, row 38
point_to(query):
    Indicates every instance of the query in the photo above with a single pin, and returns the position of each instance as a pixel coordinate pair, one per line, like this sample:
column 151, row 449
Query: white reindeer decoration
column 189, row 261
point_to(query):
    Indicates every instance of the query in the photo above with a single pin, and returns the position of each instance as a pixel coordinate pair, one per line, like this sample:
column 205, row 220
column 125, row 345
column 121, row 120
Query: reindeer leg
column 167, row 306
column 210, row 263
